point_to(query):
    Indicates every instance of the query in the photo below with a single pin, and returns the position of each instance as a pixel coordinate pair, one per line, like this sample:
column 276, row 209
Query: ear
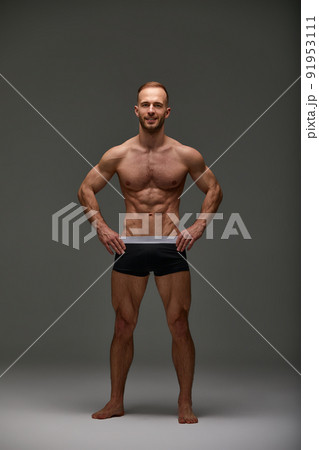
column 167, row 113
column 136, row 111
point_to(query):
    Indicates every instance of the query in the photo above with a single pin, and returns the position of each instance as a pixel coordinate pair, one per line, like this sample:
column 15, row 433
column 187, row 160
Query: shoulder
column 114, row 155
column 189, row 155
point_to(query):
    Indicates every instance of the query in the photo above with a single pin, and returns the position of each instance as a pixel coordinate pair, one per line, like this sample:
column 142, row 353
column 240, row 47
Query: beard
column 152, row 128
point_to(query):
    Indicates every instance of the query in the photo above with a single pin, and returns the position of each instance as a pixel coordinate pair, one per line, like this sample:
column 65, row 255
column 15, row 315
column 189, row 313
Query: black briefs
column 145, row 254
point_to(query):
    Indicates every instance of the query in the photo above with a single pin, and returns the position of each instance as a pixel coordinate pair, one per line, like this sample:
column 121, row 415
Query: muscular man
column 152, row 169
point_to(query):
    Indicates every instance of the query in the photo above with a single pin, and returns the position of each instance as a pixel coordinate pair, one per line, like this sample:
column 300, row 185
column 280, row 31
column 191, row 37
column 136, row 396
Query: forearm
column 210, row 206
column 87, row 199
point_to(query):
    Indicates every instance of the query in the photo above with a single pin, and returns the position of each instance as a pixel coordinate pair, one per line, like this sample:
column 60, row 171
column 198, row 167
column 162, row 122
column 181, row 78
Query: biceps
column 205, row 180
column 96, row 179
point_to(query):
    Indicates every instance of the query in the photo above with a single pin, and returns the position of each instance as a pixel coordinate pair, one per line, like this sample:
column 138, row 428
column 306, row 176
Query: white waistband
column 149, row 239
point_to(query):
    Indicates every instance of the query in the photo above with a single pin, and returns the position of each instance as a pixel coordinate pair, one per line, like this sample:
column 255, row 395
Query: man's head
column 152, row 106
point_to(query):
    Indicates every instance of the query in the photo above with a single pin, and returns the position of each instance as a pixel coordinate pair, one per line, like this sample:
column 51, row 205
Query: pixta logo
column 235, row 225
column 63, row 222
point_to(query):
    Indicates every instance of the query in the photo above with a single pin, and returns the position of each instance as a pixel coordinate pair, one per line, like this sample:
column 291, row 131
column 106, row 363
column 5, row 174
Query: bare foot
column 186, row 415
column 111, row 409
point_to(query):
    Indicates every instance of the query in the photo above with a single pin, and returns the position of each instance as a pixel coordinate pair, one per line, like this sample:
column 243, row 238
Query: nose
column 151, row 109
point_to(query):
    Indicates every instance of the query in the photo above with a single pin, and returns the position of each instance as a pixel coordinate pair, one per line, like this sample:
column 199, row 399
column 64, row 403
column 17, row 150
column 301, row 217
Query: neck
column 151, row 140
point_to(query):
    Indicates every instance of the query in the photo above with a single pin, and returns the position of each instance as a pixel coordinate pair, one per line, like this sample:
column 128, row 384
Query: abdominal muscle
column 147, row 212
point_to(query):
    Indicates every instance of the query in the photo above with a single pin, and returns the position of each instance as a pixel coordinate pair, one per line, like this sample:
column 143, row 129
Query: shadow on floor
column 152, row 408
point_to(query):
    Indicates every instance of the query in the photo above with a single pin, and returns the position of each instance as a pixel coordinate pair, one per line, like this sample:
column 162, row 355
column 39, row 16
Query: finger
column 116, row 246
column 108, row 249
column 185, row 245
column 191, row 244
column 178, row 240
column 188, row 241
column 121, row 243
column 180, row 244
column 188, row 235
column 121, row 249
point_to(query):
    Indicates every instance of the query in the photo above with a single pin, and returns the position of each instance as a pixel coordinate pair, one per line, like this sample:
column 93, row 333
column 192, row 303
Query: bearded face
column 152, row 109
column 152, row 123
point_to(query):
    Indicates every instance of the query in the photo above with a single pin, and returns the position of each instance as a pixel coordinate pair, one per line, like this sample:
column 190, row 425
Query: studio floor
column 240, row 408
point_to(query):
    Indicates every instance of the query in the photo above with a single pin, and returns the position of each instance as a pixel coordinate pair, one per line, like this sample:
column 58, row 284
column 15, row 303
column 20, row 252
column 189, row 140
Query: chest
column 139, row 171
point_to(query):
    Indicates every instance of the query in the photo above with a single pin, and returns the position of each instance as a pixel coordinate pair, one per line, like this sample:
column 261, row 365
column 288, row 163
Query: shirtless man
column 152, row 169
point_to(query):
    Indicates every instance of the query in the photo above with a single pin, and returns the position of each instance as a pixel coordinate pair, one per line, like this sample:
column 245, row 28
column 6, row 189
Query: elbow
column 80, row 193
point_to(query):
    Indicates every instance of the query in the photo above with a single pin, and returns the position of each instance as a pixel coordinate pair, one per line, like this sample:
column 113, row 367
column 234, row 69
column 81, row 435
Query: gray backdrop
column 80, row 64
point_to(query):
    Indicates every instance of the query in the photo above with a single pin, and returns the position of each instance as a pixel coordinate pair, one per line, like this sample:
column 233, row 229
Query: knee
column 124, row 325
column 178, row 325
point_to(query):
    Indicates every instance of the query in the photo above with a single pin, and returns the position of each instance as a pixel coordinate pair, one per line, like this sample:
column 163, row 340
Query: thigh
column 175, row 291
column 127, row 292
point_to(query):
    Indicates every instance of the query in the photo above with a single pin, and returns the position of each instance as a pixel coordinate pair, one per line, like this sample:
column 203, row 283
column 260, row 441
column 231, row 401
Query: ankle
column 116, row 399
column 182, row 401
